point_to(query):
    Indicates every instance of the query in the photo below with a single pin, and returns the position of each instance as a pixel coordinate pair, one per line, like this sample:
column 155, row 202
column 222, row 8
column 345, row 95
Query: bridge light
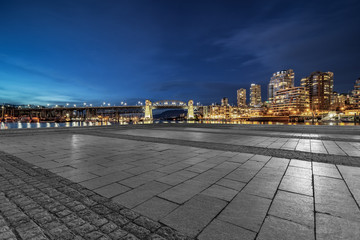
column 84, row 103
column 74, row 105
column 67, row 104
column 108, row 104
column 90, row 105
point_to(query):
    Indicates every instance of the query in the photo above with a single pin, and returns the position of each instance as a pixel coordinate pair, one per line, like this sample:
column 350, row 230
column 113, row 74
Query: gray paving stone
column 297, row 185
column 278, row 163
column 332, row 197
column 276, row 228
column 351, row 176
column 260, row 158
column 299, row 172
column 139, row 195
column 333, row 228
column 220, row 192
column 222, row 230
column 194, row 215
column 156, row 208
column 231, row 184
column 253, row 165
column 246, row 211
column 240, row 158
column 327, row 170
column 263, row 187
column 184, row 191
column 105, row 180
column 293, row 207
column 300, row 163
column 273, row 173
column 242, row 175
column 177, row 177
column 112, row 190
column 141, row 179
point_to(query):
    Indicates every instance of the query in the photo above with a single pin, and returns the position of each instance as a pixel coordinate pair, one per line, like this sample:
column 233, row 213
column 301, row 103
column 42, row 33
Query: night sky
column 73, row 51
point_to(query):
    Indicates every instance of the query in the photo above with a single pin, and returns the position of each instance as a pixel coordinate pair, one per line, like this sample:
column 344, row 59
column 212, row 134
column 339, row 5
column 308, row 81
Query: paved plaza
column 183, row 181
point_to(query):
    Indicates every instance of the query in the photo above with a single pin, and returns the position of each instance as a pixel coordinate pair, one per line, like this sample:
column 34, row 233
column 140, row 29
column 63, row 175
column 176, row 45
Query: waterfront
column 19, row 125
column 177, row 180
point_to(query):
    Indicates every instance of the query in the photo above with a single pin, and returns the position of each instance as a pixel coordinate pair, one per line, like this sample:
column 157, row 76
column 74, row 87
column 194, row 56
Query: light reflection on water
column 18, row 125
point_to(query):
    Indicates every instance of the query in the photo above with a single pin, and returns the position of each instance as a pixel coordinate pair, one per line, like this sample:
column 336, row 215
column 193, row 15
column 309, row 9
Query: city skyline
column 71, row 52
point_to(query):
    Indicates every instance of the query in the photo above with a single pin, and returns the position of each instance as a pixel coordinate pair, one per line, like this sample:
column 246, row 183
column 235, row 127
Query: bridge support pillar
column 148, row 110
column 190, row 113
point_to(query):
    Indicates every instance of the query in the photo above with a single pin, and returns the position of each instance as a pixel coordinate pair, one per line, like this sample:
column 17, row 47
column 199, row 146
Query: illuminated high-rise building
column 319, row 90
column 241, row 97
column 280, row 80
column 290, row 101
column 255, row 95
column 224, row 101
column 356, row 93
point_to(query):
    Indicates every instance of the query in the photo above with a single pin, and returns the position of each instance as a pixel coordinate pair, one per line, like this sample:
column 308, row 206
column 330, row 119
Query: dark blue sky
column 94, row 51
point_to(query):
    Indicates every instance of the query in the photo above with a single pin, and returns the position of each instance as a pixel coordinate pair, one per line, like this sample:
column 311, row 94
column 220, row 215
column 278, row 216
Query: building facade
column 356, row 93
column 224, row 101
column 290, row 101
column 319, row 90
column 255, row 95
column 280, row 80
column 241, row 97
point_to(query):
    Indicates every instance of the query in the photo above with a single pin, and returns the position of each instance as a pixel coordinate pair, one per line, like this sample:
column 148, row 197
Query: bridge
column 168, row 104
column 88, row 112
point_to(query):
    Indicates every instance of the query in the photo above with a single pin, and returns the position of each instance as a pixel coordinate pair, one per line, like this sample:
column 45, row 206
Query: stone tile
column 114, row 169
column 139, row 195
column 271, row 173
column 201, row 167
column 184, row 191
column 279, row 229
column 324, row 169
column 222, row 230
column 231, row 184
column 351, row 176
column 252, row 165
column 81, row 177
column 297, row 185
column 105, row 180
column 300, row 163
column 174, row 167
column 332, row 197
column 240, row 158
column 333, row 228
column 262, row 187
column 141, row 179
column 156, row 208
column 246, row 211
column 260, row 158
column 278, row 163
column 242, row 175
column 293, row 207
column 194, row 215
column 220, row 192
column 299, row 172
column 177, row 177
column 112, row 190
column 333, row 148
